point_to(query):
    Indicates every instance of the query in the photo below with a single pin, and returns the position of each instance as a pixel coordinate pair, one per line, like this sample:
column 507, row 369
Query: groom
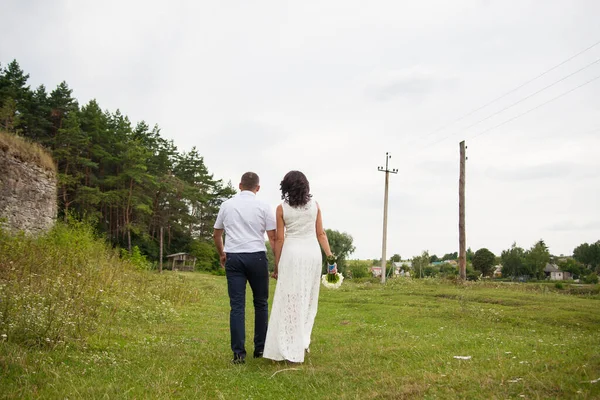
column 245, row 219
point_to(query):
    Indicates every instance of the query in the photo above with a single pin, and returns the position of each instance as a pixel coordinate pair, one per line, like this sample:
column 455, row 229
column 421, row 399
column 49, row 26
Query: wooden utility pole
column 161, row 251
column 462, row 252
column 385, row 207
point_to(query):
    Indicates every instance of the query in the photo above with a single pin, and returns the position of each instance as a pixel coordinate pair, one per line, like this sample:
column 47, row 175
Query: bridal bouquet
column 332, row 280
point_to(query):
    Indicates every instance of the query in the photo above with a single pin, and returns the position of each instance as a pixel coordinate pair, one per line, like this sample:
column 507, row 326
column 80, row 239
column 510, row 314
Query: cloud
column 575, row 226
column 414, row 82
column 556, row 170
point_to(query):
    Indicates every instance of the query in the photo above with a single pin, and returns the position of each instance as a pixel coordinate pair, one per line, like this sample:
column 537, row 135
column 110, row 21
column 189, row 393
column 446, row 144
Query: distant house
column 497, row 271
column 452, row 262
column 398, row 266
column 553, row 273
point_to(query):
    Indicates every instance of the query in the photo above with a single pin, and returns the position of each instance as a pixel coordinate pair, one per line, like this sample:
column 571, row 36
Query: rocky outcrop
column 27, row 194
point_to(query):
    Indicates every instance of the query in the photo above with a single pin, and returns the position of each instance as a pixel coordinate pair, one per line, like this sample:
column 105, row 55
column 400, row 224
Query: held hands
column 274, row 274
column 223, row 258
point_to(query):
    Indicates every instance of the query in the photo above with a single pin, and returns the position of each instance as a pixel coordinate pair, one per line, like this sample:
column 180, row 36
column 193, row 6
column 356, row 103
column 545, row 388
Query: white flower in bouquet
column 332, row 281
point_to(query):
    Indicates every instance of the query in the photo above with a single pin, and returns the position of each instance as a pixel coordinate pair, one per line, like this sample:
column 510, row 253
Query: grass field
column 369, row 342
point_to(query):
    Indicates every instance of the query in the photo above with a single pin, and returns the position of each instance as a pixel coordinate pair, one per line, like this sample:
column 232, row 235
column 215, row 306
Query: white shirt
column 245, row 220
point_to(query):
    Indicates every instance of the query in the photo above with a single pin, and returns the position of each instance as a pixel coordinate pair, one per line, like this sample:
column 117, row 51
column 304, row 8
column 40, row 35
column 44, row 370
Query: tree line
column 125, row 178
column 516, row 262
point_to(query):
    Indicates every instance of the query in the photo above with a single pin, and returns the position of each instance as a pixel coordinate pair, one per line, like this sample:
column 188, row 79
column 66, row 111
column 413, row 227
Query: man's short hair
column 249, row 181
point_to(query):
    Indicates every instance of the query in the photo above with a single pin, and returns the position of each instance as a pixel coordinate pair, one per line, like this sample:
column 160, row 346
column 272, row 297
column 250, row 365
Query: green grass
column 369, row 342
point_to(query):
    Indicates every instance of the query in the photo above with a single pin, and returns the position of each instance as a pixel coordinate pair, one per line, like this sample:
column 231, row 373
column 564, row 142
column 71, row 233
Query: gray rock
column 28, row 195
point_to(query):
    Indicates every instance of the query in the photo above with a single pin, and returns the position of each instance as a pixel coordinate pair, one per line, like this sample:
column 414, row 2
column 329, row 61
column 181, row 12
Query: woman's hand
column 335, row 270
column 274, row 274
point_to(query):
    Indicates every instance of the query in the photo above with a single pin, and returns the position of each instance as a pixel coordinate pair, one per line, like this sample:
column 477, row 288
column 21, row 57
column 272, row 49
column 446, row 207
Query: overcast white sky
column 328, row 86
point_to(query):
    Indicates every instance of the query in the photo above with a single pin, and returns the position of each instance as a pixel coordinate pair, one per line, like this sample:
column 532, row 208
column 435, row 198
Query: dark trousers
column 252, row 268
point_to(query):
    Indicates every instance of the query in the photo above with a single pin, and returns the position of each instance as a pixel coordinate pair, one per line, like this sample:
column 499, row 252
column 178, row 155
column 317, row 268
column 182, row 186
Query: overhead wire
column 519, row 115
column 509, row 92
column 536, row 107
column 515, row 103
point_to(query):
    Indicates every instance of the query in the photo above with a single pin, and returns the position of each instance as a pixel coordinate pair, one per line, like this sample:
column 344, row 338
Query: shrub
column 207, row 258
column 430, row 271
column 359, row 271
column 559, row 285
column 472, row 275
column 591, row 278
column 136, row 258
column 448, row 270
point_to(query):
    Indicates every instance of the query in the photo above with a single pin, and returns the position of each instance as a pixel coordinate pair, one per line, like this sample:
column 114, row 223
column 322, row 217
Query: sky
column 328, row 87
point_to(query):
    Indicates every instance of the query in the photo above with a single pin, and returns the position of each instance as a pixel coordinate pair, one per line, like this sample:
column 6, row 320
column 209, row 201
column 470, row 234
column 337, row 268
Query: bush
column 448, row 270
column 430, row 271
column 359, row 271
column 207, row 258
column 591, row 278
column 472, row 275
column 559, row 285
column 136, row 258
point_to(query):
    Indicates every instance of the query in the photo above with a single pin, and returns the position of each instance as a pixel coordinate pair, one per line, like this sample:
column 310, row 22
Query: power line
column 536, row 107
column 517, row 102
column 520, row 115
column 510, row 91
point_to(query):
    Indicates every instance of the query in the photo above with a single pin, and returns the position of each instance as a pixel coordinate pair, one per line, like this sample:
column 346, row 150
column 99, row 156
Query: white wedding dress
column 297, row 291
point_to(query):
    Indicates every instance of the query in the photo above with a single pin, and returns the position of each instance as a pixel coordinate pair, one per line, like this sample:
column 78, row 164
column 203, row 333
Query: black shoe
column 258, row 354
column 238, row 360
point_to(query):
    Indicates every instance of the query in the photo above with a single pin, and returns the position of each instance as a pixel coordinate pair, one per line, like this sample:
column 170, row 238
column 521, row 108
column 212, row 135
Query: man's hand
column 218, row 239
column 274, row 274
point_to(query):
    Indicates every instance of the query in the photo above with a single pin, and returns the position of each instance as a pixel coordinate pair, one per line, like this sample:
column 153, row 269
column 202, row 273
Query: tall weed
column 68, row 283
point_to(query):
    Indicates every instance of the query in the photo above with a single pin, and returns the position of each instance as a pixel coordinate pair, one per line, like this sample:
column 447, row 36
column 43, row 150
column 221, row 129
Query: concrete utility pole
column 462, row 252
column 385, row 207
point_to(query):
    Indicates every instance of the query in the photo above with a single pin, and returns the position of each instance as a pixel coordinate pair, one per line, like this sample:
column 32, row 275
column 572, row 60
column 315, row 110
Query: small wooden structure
column 181, row 262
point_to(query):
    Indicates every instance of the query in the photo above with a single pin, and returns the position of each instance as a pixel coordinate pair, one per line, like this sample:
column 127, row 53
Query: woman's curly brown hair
column 295, row 189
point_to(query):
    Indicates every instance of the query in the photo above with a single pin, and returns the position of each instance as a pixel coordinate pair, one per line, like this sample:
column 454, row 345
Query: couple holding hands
column 295, row 233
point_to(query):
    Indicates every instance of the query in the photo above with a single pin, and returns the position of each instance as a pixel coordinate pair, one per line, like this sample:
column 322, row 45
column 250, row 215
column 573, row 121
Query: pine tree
column 14, row 94
column 69, row 145
column 61, row 103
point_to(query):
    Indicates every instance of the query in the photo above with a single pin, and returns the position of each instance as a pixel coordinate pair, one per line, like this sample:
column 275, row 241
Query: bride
column 298, row 263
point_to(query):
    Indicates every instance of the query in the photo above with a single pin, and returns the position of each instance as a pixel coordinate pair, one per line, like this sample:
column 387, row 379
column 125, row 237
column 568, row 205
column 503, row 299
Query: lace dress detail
column 297, row 291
